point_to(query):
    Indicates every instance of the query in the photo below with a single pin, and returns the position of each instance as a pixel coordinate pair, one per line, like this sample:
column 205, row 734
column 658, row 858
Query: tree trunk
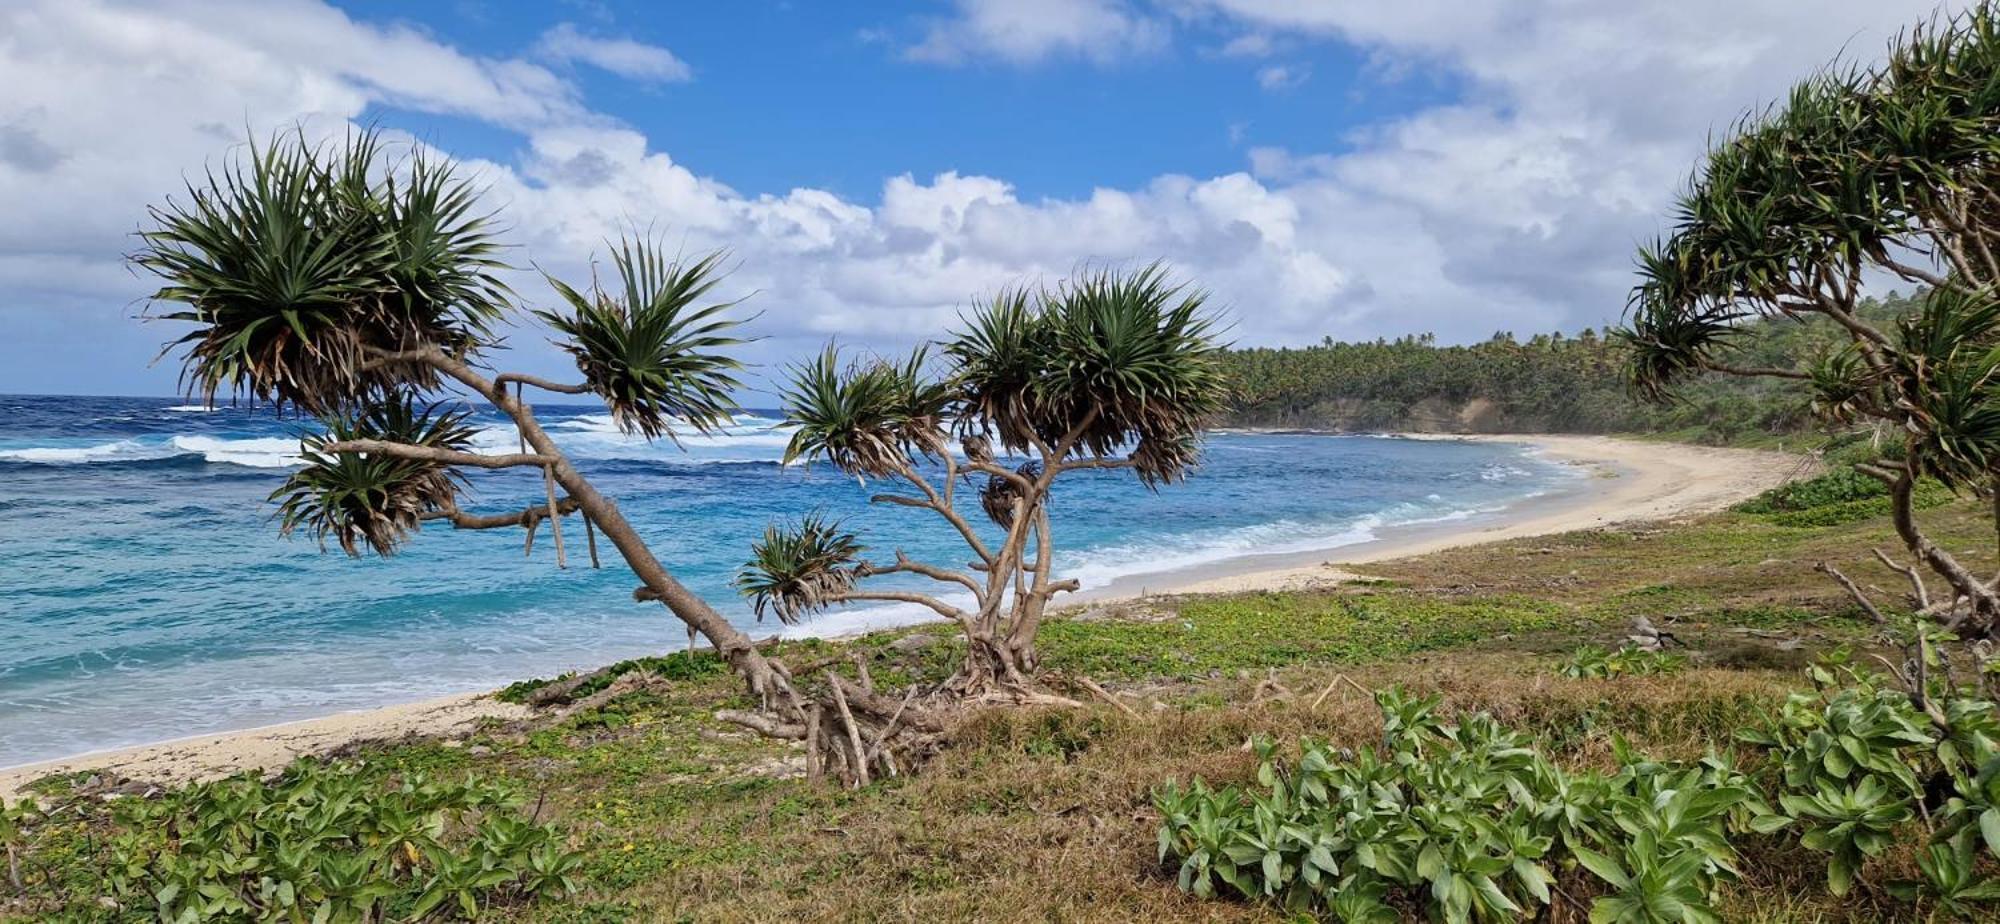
column 764, row 681
column 1981, row 620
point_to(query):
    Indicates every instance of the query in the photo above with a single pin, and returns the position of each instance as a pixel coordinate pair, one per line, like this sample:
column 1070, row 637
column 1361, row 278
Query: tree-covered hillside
column 1547, row 383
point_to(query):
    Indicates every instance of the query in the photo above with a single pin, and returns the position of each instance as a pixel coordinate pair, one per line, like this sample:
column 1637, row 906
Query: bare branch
column 434, row 454
column 1103, row 694
column 505, row 378
column 1878, row 472
column 379, row 358
column 1922, row 594
column 1096, row 463
column 1753, row 371
column 904, row 565
column 526, row 517
column 860, row 765
column 757, row 721
column 1867, row 605
column 938, row 503
column 1915, row 274
column 903, row 596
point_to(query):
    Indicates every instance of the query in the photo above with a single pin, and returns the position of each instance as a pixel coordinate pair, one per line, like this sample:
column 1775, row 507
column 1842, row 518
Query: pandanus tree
column 363, row 287
column 1860, row 176
column 1107, row 371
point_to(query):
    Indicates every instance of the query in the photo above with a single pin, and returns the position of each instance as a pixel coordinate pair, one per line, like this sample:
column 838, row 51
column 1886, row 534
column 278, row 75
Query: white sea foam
column 264, row 452
column 70, row 455
column 591, row 436
column 258, row 452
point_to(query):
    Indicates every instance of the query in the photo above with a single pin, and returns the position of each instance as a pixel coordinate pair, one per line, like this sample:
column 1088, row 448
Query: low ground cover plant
column 1471, row 821
column 323, row 843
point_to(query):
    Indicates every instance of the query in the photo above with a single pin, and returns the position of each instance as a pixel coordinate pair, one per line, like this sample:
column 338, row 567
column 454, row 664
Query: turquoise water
column 148, row 595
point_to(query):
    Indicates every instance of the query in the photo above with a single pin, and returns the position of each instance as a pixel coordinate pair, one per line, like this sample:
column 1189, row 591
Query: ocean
column 148, row 596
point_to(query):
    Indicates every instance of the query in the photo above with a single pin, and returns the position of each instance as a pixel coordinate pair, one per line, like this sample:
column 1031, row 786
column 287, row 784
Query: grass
column 1046, row 815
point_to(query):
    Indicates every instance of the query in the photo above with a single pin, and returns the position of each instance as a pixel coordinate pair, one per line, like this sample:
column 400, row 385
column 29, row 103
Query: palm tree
column 1106, row 371
column 1860, row 174
column 363, row 288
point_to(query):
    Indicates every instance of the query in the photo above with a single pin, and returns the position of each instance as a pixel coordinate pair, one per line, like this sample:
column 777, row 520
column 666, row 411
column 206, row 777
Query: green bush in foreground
column 1473, row 822
column 324, row 844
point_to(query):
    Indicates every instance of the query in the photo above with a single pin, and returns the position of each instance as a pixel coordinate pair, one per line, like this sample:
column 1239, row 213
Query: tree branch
column 1751, row 371
column 435, row 454
column 904, row 596
column 1867, row 606
column 506, row 378
column 527, row 517
column 379, row 358
column 904, row 565
column 1098, row 463
column 941, row 506
column 1922, row 593
column 1914, row 274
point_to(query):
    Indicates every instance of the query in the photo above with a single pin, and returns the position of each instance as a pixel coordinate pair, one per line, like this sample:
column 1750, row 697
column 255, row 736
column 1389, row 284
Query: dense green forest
column 1547, row 383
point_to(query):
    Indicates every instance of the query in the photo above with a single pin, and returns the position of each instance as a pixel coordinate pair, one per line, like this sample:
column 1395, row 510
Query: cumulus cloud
column 626, row 57
column 1026, row 31
column 1513, row 206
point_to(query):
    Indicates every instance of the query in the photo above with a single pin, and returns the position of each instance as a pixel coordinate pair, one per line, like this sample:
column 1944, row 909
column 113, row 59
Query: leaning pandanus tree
column 363, row 289
column 1106, row 371
column 1860, row 176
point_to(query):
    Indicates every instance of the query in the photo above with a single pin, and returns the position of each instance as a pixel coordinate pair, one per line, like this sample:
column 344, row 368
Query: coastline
column 1623, row 481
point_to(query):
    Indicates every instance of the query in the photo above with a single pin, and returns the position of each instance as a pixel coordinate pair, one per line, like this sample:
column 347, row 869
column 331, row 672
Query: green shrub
column 1837, row 497
column 1840, row 486
column 1466, row 821
column 1857, row 765
column 1472, row 822
column 324, row 843
column 1590, row 662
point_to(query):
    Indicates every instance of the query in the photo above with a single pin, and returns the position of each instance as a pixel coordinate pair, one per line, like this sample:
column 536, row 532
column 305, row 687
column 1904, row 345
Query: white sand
column 1632, row 480
column 272, row 746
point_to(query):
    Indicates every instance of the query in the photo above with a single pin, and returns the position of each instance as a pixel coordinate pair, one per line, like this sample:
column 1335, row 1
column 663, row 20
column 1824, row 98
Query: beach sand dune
column 1629, row 481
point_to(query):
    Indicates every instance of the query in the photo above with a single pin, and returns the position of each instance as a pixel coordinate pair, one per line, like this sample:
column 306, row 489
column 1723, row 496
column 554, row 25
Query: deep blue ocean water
column 147, row 594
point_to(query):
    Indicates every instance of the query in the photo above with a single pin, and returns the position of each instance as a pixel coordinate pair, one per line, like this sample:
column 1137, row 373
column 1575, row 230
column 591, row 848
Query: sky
column 1320, row 167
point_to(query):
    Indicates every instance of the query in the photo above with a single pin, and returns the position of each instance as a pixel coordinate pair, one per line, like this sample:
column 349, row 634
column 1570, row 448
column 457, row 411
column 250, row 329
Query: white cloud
column 1277, row 77
column 625, row 57
column 1515, row 206
column 1026, row 31
column 1249, row 45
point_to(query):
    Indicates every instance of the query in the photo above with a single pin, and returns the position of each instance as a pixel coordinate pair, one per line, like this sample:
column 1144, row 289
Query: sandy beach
column 1621, row 481
column 1624, row 481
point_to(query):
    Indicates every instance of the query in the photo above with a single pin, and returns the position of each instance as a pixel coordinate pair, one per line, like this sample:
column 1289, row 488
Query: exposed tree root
column 855, row 734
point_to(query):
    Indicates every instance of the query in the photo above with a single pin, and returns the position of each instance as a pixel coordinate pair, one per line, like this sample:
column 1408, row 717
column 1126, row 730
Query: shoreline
column 1622, row 481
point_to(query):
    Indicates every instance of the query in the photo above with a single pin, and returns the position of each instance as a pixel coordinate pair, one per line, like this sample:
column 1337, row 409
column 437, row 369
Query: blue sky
column 1322, row 167
column 788, row 94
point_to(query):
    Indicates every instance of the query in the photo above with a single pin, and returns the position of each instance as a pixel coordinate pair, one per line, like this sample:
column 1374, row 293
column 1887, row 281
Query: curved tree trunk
column 1983, row 615
column 764, row 679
